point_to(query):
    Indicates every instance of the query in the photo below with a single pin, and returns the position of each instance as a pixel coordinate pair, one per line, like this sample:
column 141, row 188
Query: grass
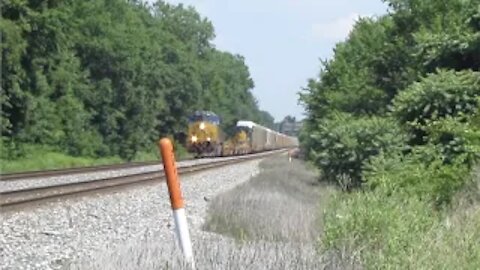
column 397, row 232
column 218, row 254
column 42, row 158
column 279, row 206
column 453, row 243
column 282, row 200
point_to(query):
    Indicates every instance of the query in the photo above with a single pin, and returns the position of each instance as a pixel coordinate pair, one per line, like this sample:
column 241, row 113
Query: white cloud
column 335, row 30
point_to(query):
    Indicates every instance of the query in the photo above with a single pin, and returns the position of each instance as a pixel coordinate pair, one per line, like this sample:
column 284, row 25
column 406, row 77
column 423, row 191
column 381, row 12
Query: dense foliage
column 421, row 173
column 411, row 71
column 342, row 143
column 105, row 78
column 407, row 87
column 438, row 95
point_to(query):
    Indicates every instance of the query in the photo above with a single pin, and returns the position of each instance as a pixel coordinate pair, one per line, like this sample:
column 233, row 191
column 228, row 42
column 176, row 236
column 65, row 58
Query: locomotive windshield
column 201, row 116
column 243, row 128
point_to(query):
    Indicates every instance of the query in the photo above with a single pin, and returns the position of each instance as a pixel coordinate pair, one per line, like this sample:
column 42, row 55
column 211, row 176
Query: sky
column 282, row 41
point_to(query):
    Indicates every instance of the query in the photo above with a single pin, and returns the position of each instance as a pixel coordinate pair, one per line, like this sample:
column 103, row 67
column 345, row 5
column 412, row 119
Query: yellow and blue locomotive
column 204, row 135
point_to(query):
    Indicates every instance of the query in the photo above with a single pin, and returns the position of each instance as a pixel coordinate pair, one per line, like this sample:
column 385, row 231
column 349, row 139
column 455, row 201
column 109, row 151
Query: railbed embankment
column 66, row 233
column 268, row 220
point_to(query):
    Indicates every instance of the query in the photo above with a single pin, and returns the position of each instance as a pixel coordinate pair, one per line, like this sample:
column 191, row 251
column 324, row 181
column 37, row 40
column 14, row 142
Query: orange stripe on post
column 181, row 226
column 170, row 169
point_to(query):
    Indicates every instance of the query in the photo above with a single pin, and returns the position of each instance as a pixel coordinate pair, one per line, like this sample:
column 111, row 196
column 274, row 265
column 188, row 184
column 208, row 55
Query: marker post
column 181, row 227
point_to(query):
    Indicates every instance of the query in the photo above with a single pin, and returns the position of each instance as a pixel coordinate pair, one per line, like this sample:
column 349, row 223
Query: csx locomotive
column 205, row 138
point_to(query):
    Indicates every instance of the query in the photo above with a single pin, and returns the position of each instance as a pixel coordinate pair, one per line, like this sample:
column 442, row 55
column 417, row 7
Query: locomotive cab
column 243, row 137
column 203, row 134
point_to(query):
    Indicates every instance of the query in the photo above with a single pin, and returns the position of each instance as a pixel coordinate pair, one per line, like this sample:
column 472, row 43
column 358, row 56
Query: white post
column 181, row 229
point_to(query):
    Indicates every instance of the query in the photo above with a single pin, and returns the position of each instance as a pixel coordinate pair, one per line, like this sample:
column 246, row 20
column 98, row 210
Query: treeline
column 395, row 113
column 109, row 77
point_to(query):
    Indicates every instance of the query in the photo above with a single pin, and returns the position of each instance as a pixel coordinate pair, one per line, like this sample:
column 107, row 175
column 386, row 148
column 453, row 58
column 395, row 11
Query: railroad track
column 71, row 171
column 13, row 199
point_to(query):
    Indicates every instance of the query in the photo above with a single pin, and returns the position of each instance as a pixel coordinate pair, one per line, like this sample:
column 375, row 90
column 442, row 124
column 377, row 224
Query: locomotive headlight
column 194, row 138
column 202, row 125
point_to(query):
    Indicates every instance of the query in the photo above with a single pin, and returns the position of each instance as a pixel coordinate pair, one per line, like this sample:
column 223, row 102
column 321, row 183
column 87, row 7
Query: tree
column 104, row 78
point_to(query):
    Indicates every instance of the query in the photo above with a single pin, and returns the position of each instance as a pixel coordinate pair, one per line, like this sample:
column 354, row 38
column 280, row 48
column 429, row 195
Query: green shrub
column 399, row 232
column 459, row 139
column 10, row 148
column 421, row 173
column 439, row 95
column 381, row 230
column 305, row 140
column 342, row 143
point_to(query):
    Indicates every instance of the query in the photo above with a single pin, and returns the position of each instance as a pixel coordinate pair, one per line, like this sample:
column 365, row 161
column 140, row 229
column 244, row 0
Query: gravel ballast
column 55, row 235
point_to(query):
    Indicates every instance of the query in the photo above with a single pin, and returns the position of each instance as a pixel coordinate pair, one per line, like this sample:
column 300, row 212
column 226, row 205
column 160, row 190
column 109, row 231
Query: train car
column 270, row 144
column 260, row 138
column 204, row 135
column 243, row 137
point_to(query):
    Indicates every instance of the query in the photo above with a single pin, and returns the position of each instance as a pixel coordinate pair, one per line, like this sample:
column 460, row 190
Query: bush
column 342, row 143
column 440, row 95
column 398, row 232
column 10, row 148
column 421, row 173
column 458, row 139
column 381, row 230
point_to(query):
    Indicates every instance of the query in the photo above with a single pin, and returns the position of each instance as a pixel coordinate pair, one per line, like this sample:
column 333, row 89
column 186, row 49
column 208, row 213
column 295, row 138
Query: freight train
column 205, row 138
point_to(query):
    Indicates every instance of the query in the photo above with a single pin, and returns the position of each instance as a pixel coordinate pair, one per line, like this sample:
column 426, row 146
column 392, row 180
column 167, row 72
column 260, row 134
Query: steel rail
column 71, row 171
column 34, row 195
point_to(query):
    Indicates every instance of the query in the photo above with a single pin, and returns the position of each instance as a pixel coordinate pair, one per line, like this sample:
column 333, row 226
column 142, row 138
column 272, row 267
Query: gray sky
column 282, row 40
